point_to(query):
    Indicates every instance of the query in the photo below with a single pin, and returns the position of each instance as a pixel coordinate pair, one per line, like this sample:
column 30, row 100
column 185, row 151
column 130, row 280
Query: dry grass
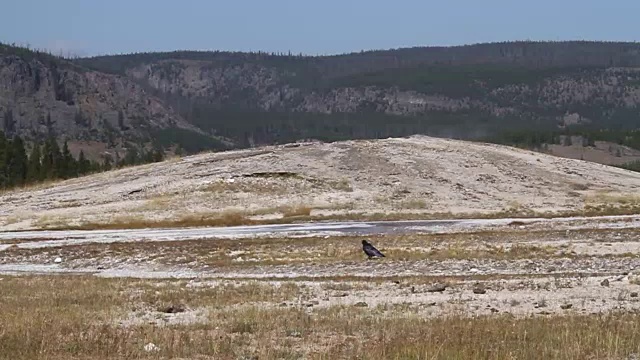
column 303, row 213
column 413, row 204
column 243, row 186
column 227, row 218
column 67, row 204
column 50, row 221
column 30, row 187
column 18, row 216
column 607, row 203
column 610, row 209
column 295, row 211
column 158, row 203
column 78, row 318
column 608, row 198
column 232, row 254
column 221, row 294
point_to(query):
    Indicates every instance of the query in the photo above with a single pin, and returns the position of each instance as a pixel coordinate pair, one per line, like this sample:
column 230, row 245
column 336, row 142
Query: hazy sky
column 89, row 27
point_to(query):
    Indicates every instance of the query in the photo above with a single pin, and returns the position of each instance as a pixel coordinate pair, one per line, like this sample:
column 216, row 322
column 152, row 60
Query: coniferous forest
column 46, row 161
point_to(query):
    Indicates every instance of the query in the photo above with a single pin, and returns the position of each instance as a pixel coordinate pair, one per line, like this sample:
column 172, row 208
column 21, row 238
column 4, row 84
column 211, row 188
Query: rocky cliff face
column 42, row 98
column 592, row 91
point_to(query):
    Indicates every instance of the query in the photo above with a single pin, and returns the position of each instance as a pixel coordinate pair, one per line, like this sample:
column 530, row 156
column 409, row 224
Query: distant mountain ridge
column 240, row 99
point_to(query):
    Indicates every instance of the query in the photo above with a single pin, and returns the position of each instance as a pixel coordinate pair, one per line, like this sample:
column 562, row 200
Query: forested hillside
column 216, row 100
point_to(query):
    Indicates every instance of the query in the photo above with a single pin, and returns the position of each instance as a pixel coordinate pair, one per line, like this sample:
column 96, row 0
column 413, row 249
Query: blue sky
column 90, row 27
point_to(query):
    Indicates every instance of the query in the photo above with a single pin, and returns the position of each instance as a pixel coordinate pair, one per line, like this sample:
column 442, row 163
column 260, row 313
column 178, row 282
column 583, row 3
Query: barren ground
column 416, row 177
column 525, row 288
column 315, row 295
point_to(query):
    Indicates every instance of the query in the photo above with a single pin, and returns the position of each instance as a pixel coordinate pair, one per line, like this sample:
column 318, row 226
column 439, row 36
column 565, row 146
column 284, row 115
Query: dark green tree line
column 47, row 161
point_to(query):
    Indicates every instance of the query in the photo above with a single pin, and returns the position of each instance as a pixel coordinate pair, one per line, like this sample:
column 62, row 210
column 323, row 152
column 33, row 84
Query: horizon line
column 72, row 55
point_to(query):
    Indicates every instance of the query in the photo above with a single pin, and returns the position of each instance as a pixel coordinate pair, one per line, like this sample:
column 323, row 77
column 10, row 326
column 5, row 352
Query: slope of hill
column 41, row 96
column 417, row 176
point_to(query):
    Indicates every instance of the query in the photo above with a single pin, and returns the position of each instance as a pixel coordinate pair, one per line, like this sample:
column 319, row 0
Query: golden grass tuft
column 414, row 204
column 295, row 211
column 158, row 203
column 610, row 198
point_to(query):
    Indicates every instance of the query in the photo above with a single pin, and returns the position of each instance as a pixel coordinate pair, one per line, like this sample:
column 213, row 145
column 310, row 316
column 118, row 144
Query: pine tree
column 131, row 156
column 67, row 163
column 118, row 161
column 108, row 163
column 585, row 141
column 51, row 159
column 49, row 124
column 158, row 155
column 84, row 165
column 178, row 150
column 3, row 160
column 567, row 140
column 34, row 168
column 121, row 120
column 17, row 165
column 145, row 156
column 9, row 122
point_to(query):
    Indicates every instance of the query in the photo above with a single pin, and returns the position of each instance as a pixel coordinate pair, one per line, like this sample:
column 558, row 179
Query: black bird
column 370, row 250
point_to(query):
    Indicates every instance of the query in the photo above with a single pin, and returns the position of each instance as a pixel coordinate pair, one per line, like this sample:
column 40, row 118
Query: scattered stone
column 151, row 347
column 437, row 288
column 633, row 295
column 479, row 289
column 361, row 304
column 538, row 305
column 344, row 294
column 605, row 283
column 173, row 309
column 57, row 260
column 566, row 306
